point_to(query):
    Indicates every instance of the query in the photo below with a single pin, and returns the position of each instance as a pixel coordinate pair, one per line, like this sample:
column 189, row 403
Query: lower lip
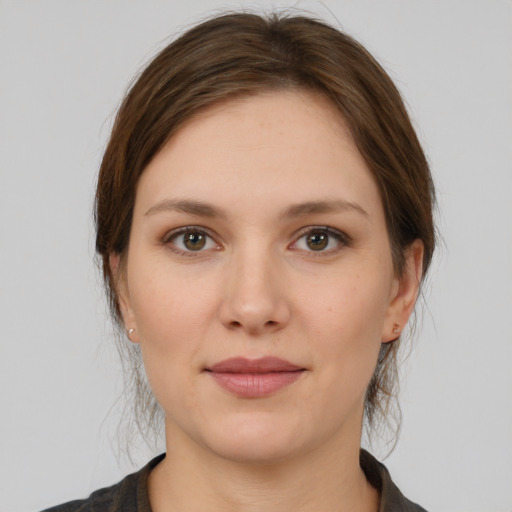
column 255, row 385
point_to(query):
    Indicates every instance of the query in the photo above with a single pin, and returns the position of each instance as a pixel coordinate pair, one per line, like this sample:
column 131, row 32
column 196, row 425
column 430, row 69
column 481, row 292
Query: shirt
column 131, row 493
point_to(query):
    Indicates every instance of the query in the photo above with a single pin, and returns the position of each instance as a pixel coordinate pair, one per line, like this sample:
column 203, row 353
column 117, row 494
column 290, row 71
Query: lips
column 254, row 378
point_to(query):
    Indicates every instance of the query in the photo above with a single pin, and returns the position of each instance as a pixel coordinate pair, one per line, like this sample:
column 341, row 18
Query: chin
column 255, row 440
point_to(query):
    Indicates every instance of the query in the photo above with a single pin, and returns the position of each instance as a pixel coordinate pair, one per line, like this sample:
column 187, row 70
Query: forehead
column 285, row 146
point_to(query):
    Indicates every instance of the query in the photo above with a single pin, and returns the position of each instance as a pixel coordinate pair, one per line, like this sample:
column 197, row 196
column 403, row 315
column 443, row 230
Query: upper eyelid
column 346, row 239
column 170, row 237
column 343, row 239
column 328, row 229
column 184, row 229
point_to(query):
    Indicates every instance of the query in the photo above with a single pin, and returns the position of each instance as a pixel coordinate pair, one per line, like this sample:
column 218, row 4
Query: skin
column 255, row 289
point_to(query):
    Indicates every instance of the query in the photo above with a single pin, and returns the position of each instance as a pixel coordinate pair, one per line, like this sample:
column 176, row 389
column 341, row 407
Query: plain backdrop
column 64, row 66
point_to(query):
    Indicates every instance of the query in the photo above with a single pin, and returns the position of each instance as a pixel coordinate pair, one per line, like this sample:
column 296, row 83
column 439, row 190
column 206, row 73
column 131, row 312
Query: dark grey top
column 131, row 493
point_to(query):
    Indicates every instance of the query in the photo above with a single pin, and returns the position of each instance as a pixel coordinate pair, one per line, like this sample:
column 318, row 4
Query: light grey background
column 64, row 65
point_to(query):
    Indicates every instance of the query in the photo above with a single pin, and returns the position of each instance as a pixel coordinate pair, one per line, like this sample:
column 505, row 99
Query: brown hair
column 241, row 54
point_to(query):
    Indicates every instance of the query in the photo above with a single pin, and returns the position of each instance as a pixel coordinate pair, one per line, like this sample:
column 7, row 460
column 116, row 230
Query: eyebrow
column 328, row 206
column 186, row 206
column 206, row 210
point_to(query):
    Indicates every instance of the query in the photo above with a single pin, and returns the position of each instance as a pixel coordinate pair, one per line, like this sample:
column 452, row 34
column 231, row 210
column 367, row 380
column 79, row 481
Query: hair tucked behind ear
column 241, row 54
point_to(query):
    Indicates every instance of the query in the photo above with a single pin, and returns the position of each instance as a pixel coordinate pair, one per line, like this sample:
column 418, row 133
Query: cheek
column 169, row 320
column 174, row 312
column 167, row 302
column 352, row 306
column 345, row 323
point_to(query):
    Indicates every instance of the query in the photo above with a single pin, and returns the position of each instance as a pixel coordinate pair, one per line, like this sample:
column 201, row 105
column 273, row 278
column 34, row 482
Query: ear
column 123, row 296
column 404, row 293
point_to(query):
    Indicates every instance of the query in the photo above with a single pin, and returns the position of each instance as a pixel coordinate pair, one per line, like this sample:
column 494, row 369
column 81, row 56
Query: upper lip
column 267, row 364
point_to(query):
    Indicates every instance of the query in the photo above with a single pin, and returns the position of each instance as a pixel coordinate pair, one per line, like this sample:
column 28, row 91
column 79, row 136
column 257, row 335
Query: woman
column 264, row 219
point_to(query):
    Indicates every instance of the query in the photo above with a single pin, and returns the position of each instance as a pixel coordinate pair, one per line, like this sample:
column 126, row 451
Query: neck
column 328, row 479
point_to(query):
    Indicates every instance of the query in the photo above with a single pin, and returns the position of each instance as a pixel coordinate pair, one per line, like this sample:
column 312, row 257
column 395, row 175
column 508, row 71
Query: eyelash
column 342, row 239
column 174, row 234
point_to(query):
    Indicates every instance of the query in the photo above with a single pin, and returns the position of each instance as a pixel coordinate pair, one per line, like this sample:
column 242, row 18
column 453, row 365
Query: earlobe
column 405, row 293
column 123, row 297
column 132, row 335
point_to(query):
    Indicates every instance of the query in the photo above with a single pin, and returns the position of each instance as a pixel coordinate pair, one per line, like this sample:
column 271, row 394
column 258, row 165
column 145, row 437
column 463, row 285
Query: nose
column 255, row 299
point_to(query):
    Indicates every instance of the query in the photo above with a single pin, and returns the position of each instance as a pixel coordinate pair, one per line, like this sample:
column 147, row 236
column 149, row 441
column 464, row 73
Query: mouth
column 254, row 378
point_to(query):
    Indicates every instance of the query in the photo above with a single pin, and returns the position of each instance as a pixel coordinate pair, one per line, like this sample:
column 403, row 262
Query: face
column 259, row 279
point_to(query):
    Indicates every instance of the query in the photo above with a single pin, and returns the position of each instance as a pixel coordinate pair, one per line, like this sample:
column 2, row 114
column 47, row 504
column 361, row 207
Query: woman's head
column 241, row 56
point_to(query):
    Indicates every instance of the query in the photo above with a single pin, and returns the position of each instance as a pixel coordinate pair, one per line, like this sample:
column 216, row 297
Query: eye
column 190, row 239
column 320, row 239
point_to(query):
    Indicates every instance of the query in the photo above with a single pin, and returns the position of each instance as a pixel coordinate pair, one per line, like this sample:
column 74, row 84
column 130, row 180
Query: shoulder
column 128, row 495
column 391, row 498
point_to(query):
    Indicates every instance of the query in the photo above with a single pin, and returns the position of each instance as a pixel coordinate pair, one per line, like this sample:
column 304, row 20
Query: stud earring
column 131, row 331
column 396, row 328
